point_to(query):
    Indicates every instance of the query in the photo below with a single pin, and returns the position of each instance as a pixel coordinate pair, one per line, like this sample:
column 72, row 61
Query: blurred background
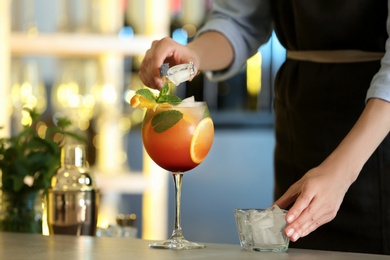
column 81, row 58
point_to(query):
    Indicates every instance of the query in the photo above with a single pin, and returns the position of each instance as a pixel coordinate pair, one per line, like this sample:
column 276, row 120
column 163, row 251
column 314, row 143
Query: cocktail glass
column 178, row 138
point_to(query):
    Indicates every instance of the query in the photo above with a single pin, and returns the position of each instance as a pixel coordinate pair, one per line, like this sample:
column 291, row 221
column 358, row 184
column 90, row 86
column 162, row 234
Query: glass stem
column 177, row 231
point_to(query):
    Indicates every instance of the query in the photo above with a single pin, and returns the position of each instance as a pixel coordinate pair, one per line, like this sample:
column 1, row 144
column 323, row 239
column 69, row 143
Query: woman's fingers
column 163, row 51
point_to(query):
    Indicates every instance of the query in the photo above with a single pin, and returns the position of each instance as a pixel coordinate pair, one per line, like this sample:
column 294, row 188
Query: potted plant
column 28, row 162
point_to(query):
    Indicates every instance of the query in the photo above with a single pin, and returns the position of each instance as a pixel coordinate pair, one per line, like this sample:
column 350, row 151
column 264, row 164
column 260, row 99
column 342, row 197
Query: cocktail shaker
column 72, row 201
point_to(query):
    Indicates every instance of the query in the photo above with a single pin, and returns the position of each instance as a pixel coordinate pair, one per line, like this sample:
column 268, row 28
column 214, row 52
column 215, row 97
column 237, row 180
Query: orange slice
column 139, row 101
column 202, row 140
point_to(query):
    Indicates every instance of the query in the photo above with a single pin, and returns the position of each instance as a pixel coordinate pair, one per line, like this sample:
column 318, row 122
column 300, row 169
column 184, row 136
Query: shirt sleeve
column 380, row 84
column 247, row 24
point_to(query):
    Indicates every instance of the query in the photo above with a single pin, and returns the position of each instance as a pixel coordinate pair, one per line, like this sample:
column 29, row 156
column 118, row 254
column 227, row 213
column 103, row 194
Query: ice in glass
column 262, row 229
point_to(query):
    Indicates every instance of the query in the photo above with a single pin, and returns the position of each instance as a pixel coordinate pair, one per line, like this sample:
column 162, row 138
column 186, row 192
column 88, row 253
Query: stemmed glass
column 178, row 138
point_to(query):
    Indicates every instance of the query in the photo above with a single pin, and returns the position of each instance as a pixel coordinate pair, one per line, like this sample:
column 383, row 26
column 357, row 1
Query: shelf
column 63, row 44
column 110, row 48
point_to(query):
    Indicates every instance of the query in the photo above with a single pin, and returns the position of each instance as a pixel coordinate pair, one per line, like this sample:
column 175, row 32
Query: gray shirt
column 248, row 24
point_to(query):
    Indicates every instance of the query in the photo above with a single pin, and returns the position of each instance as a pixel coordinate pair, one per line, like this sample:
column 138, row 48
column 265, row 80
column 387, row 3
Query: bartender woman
column 332, row 109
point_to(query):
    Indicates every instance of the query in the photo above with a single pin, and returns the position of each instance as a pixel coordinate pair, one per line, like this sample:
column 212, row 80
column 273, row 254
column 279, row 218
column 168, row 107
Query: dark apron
column 317, row 104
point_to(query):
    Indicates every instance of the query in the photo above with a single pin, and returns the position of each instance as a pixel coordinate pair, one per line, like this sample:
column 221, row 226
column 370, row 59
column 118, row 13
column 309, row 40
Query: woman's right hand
column 163, row 51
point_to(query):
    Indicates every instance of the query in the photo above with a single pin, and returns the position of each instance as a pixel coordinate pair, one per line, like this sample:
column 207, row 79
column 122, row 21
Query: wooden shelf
column 62, row 44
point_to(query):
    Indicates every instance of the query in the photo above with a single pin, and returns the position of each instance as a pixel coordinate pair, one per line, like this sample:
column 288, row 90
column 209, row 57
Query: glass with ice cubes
column 262, row 229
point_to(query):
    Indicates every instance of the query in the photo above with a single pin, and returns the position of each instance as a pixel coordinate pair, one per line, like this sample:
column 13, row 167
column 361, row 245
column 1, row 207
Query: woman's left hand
column 318, row 196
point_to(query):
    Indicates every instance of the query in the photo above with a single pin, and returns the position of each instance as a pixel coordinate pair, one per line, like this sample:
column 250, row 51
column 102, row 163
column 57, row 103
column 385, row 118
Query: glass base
column 177, row 244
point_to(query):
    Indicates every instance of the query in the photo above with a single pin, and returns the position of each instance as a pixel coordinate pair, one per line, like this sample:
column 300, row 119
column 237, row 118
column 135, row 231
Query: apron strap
column 335, row 56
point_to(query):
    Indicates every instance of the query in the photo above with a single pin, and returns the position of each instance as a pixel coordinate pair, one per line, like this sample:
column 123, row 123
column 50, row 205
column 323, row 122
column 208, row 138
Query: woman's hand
column 210, row 51
column 162, row 51
column 318, row 196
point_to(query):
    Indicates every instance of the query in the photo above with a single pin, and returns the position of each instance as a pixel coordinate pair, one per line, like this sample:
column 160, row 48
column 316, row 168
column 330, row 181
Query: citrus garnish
column 139, row 101
column 202, row 140
column 145, row 98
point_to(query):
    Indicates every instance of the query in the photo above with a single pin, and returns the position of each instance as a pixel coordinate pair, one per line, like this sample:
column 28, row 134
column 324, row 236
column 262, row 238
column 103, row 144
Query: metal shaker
column 73, row 199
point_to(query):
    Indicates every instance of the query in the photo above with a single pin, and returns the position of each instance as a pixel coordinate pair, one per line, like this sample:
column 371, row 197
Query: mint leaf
column 164, row 90
column 163, row 96
column 165, row 120
column 146, row 93
column 172, row 99
column 169, row 98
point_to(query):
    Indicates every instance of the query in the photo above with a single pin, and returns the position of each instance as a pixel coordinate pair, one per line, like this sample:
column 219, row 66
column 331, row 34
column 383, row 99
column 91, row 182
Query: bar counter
column 15, row 246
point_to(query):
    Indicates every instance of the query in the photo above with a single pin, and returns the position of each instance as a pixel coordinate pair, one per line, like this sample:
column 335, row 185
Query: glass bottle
column 73, row 199
column 127, row 223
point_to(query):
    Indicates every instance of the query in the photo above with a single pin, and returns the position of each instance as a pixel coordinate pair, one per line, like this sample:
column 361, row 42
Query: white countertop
column 14, row 246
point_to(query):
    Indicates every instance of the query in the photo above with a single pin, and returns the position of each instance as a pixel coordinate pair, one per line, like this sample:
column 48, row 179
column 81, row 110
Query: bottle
column 73, row 199
column 124, row 228
column 127, row 223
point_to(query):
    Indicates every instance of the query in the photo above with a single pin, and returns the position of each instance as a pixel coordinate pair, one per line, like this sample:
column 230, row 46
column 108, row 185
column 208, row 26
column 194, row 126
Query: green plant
column 28, row 161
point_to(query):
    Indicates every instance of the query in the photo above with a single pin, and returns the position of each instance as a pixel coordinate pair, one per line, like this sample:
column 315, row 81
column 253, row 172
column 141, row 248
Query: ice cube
column 179, row 77
column 279, row 220
column 267, row 226
column 261, row 223
column 262, row 219
column 180, row 73
column 190, row 99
